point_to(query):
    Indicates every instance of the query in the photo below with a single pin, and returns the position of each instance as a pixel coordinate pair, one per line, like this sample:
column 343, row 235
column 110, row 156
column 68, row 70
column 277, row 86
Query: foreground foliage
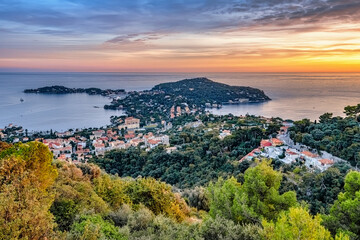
column 257, row 198
column 41, row 199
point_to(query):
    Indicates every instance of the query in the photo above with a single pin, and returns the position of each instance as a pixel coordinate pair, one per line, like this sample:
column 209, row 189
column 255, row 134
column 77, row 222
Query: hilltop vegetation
column 203, row 90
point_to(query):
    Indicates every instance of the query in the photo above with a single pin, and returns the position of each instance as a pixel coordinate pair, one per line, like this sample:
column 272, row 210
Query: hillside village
column 73, row 146
column 283, row 149
column 76, row 146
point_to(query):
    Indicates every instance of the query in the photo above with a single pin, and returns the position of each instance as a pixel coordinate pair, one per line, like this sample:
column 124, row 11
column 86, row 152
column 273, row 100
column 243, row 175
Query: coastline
column 294, row 96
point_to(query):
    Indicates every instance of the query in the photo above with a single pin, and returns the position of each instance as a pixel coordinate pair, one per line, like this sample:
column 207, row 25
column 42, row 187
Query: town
column 282, row 148
column 77, row 146
column 80, row 146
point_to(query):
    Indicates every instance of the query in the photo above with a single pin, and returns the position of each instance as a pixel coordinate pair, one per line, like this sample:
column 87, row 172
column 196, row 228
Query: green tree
column 345, row 213
column 260, row 194
column 93, row 227
column 258, row 197
column 352, row 111
column 64, row 211
column 112, row 190
column 221, row 228
column 222, row 196
column 326, row 117
column 158, row 197
column 295, row 224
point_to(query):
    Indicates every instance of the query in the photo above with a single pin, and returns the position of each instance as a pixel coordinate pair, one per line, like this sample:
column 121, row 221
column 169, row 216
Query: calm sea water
column 294, row 95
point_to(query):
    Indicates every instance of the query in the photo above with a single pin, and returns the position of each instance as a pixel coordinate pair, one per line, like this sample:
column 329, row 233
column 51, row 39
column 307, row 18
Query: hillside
column 203, row 90
column 45, row 199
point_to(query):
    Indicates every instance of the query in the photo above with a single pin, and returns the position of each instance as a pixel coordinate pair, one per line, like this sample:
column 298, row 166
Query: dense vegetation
column 203, row 90
column 336, row 135
column 202, row 157
column 46, row 200
column 149, row 105
column 66, row 90
column 318, row 190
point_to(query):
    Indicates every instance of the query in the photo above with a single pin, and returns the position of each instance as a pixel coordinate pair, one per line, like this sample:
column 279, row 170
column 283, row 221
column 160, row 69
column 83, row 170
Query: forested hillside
column 201, row 158
column 202, row 90
column 42, row 199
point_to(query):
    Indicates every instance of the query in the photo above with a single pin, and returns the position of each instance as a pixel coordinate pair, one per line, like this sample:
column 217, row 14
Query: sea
column 294, row 96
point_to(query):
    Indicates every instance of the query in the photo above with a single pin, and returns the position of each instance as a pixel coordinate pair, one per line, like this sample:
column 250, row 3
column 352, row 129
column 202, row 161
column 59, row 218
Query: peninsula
column 167, row 100
column 204, row 90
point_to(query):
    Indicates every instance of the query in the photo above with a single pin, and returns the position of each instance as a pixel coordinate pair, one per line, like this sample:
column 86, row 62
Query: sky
column 180, row 35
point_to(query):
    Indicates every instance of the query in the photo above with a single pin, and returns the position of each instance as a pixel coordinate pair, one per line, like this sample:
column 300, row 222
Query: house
column 98, row 133
column 311, row 159
column 276, row 142
column 130, row 123
column 291, row 155
column 309, row 154
column 136, row 141
column 265, row 143
column 325, row 164
column 129, row 136
column 99, row 148
column 283, row 130
column 117, row 145
column 153, row 143
column 104, row 139
column 253, row 154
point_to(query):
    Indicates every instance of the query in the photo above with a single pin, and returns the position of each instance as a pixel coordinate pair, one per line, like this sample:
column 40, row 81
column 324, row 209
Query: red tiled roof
column 276, row 141
column 326, row 162
column 309, row 154
column 265, row 143
column 99, row 145
column 153, row 141
column 291, row 152
column 128, row 136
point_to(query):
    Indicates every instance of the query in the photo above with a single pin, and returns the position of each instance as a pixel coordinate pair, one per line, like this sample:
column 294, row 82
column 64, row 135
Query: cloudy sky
column 180, row 35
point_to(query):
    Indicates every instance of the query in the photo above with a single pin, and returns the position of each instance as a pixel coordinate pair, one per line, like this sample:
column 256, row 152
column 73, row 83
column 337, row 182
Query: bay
column 294, row 96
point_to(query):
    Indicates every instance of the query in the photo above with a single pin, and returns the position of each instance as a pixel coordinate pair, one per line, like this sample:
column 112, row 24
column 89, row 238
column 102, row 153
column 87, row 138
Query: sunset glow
column 244, row 36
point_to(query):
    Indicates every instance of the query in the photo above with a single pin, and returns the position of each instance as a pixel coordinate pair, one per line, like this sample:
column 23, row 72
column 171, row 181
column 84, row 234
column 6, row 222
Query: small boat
column 21, row 100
